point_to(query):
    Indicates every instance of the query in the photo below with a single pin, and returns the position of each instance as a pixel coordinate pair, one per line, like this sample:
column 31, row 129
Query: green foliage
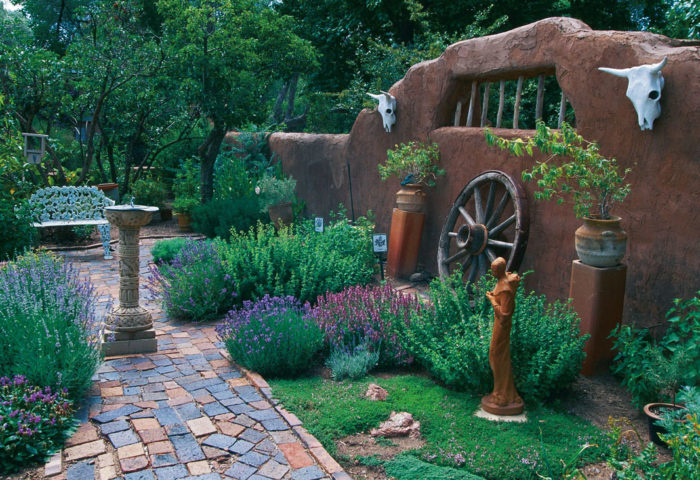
column 451, row 339
column 49, row 331
column 454, row 436
column 164, row 251
column 186, row 187
column 232, row 178
column 33, row 422
column 218, row 218
column 413, row 161
column 83, row 232
column 682, row 19
column 352, row 362
column 253, row 149
column 298, row 261
column 408, row 467
column 654, row 371
column 273, row 191
column 274, row 336
column 588, row 177
column 149, row 191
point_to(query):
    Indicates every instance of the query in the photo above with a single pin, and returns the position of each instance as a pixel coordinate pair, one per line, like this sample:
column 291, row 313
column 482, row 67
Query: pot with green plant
column 186, row 191
column 149, row 191
column 276, row 196
column 593, row 182
column 415, row 164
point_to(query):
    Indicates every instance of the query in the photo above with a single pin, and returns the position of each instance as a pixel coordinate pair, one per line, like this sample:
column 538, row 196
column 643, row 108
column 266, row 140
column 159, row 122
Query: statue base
column 126, row 343
column 481, row 413
column 514, row 408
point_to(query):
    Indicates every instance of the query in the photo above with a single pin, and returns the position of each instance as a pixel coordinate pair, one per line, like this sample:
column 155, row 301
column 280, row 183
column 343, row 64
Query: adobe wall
column 661, row 215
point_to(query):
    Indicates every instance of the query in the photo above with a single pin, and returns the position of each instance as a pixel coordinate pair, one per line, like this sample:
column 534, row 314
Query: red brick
column 296, row 455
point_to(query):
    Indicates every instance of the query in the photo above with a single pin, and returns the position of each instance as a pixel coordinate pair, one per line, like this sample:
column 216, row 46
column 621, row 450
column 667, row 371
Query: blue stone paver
column 81, row 471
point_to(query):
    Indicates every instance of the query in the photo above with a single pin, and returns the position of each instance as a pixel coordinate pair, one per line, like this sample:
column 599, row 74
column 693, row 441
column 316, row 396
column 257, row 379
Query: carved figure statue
column 504, row 400
column 386, row 108
column 644, row 85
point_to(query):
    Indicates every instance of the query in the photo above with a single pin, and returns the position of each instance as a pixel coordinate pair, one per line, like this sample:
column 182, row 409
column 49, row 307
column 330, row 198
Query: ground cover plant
column 298, row 261
column 48, row 324
column 454, row 436
column 194, row 286
column 33, row 422
column 451, row 339
column 164, row 251
column 272, row 336
column 366, row 315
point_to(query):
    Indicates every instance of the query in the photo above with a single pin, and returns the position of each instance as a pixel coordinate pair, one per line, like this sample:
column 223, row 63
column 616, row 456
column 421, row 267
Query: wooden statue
column 504, row 400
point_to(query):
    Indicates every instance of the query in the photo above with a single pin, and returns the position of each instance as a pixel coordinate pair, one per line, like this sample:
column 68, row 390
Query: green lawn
column 455, row 438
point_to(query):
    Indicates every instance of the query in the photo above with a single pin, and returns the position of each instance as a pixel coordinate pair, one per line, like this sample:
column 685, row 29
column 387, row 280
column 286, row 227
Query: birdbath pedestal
column 129, row 326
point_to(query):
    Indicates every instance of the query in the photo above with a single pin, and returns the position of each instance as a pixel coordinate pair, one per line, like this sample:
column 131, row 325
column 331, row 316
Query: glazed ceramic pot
column 410, row 198
column 601, row 243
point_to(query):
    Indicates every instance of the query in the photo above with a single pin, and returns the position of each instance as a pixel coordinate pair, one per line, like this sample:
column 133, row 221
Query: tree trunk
column 208, row 151
column 291, row 95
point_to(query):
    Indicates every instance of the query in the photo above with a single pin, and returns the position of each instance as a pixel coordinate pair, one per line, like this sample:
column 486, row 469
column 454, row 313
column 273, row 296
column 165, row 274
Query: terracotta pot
column 111, row 190
column 184, row 222
column 653, row 413
column 281, row 214
column 411, row 198
column 601, row 243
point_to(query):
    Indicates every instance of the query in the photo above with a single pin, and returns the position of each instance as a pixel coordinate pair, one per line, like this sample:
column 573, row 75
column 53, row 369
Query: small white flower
column 257, row 190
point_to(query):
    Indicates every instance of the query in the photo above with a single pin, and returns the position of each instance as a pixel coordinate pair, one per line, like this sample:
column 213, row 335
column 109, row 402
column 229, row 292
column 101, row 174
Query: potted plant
column 149, row 191
column 186, row 191
column 593, row 182
column 276, row 196
column 415, row 164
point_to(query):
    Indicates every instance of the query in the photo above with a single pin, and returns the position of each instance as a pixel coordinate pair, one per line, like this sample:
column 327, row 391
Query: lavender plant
column 33, row 422
column 274, row 336
column 49, row 330
column 194, row 286
column 367, row 315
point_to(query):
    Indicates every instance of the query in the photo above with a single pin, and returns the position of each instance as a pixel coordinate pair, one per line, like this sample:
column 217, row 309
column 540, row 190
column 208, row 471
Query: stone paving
column 184, row 412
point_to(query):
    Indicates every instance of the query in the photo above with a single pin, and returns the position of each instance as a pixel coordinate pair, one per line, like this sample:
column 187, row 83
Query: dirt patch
column 364, row 445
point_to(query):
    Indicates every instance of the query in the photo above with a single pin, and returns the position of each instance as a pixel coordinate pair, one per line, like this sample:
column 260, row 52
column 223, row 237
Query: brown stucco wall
column 662, row 214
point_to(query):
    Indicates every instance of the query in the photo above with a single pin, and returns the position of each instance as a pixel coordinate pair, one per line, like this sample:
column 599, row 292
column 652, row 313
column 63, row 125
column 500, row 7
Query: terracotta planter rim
column 596, row 218
column 108, row 185
column 648, row 412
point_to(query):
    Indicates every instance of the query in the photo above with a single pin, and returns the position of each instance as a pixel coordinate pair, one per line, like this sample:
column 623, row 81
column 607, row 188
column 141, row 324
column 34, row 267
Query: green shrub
column 17, row 233
column 273, row 336
column 273, row 191
column 48, row 327
column 654, row 371
column 186, row 187
column 408, row 467
column 164, row 251
column 149, row 191
column 298, row 261
column 218, row 218
column 451, row 339
column 352, row 362
column 194, row 285
column 33, row 422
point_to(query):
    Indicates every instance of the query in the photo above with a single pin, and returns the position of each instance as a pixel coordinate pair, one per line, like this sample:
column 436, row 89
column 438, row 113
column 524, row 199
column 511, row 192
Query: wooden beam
column 458, row 112
column 485, row 105
column 501, row 101
column 516, row 110
column 540, row 97
column 562, row 109
column 470, row 114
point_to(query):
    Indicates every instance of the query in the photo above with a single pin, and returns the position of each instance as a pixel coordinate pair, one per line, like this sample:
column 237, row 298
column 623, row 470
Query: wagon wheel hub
column 472, row 238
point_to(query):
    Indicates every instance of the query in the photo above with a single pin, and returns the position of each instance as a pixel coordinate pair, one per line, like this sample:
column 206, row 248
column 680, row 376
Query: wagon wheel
column 488, row 220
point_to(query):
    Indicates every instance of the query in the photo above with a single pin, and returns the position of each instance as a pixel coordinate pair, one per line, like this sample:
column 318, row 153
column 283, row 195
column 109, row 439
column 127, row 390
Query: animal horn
column 618, row 72
column 376, row 97
column 655, row 68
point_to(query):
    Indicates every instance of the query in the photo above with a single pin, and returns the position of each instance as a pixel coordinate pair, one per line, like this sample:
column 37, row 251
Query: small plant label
column 379, row 242
column 318, row 224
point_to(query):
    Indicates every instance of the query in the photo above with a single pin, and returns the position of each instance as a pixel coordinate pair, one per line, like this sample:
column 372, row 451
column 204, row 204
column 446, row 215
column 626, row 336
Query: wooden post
column 458, row 112
column 485, row 105
column 501, row 101
column 540, row 97
column 562, row 109
column 470, row 114
column 518, row 94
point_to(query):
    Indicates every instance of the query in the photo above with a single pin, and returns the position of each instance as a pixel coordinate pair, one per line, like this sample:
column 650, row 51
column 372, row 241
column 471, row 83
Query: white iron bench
column 71, row 206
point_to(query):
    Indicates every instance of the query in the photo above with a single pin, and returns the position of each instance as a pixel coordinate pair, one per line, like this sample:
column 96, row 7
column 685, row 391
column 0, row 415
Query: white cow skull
column 645, row 83
column 387, row 108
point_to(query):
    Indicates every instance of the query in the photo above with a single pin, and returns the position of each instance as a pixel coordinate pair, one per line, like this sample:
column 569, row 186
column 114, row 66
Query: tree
column 225, row 55
column 54, row 22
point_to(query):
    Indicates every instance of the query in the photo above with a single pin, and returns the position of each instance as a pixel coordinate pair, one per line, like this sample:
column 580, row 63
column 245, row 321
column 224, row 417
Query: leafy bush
column 164, row 251
column 194, row 286
column 218, row 218
column 367, row 315
column 149, row 191
column 653, row 371
column 48, row 326
column 231, row 178
column 273, row 336
column 452, row 337
column 273, row 191
column 352, row 362
column 17, row 233
column 298, row 261
column 186, row 187
column 33, row 422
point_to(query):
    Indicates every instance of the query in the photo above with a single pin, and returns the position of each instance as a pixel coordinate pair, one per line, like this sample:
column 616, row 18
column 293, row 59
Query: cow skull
column 645, row 83
column 387, row 108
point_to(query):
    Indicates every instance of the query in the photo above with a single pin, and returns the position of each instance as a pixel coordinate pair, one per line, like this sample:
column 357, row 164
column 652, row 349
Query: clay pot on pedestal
column 184, row 222
column 653, row 412
column 411, row 198
column 281, row 213
column 111, row 190
column 601, row 243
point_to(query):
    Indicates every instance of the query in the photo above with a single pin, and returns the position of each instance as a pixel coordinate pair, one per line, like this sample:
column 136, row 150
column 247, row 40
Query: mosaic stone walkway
column 184, row 412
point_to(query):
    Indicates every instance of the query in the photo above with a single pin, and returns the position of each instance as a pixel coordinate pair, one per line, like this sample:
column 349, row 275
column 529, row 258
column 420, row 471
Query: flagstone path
column 185, row 412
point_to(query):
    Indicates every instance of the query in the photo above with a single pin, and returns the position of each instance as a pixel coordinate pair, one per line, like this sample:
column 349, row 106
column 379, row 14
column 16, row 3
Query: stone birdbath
column 129, row 326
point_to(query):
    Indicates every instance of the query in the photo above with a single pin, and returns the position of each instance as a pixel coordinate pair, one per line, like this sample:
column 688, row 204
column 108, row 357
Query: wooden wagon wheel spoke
column 474, row 235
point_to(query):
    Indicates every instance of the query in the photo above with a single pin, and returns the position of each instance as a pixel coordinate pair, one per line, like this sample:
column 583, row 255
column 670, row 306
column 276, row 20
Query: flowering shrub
column 49, row 330
column 274, row 336
column 33, row 422
column 367, row 315
column 194, row 286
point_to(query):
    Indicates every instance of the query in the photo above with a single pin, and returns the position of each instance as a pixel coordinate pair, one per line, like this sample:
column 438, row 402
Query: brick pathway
column 184, row 412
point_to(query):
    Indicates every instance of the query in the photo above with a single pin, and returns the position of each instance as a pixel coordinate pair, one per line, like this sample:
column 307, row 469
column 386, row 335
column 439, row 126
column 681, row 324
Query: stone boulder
column 399, row 424
column 375, row 392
